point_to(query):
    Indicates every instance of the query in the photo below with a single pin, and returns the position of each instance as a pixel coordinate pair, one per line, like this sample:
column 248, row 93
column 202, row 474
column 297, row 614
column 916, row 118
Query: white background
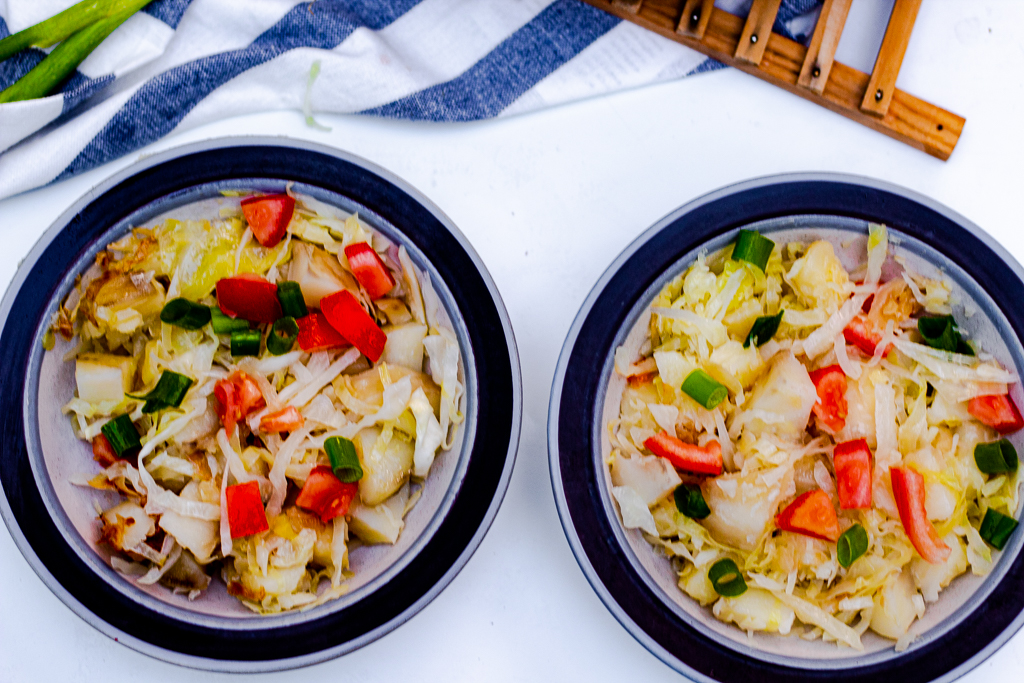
column 549, row 199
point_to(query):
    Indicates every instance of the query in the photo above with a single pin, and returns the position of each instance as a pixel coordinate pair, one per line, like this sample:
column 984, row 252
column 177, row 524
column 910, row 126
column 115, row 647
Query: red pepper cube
column 237, row 397
column 249, row 297
column 285, row 420
column 811, row 514
column 326, row 495
column 268, row 217
column 908, row 491
column 686, row 456
column 369, row 270
column 103, row 452
column 246, row 514
column 852, row 463
column 862, row 334
column 354, row 324
column 831, row 406
column 998, row 411
column 316, row 334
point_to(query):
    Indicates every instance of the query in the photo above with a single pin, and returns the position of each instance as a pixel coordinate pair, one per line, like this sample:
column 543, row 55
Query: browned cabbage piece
column 318, row 273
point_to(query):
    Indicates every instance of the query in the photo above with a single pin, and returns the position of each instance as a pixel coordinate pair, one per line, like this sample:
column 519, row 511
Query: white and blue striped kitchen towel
column 181, row 63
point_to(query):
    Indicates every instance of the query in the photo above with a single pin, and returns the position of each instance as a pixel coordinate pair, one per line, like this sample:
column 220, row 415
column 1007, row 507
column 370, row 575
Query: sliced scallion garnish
column 704, row 389
column 764, row 328
column 225, row 324
column 852, row 544
column 996, row 528
column 245, row 343
column 753, row 248
column 169, row 392
column 941, row 332
column 185, row 314
column 726, row 578
column 282, row 336
column 690, row 501
column 998, row 457
column 122, row 435
column 290, row 295
column 344, row 460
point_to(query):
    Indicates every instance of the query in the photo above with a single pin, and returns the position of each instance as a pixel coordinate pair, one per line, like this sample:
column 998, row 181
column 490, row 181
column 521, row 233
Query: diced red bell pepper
column 908, row 490
column 316, row 334
column 811, row 514
column 354, row 324
column 852, row 462
column 326, row 495
column 369, row 270
column 246, row 514
column 862, row 334
column 998, row 411
column 103, row 452
column 831, row 407
column 237, row 397
column 285, row 420
column 687, row 456
column 249, row 297
column 268, row 217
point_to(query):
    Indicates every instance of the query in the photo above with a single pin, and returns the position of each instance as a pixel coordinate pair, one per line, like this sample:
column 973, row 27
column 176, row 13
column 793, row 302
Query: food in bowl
column 265, row 391
column 816, row 450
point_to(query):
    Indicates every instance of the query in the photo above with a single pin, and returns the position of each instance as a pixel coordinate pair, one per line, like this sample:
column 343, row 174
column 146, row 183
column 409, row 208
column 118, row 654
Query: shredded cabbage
column 908, row 401
column 188, row 461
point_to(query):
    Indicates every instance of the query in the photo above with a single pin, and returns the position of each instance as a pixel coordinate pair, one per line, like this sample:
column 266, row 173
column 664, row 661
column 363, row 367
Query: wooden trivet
column 750, row 45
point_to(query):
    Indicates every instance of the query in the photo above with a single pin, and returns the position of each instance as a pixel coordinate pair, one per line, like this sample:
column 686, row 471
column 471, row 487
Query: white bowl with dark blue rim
column 53, row 522
column 974, row 615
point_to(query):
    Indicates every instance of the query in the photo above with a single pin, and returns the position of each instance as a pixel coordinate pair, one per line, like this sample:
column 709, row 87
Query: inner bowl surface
column 637, row 583
column 51, row 520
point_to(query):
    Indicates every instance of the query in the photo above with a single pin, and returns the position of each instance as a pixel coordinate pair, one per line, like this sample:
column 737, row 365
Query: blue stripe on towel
column 167, row 11
column 160, row 105
column 549, row 40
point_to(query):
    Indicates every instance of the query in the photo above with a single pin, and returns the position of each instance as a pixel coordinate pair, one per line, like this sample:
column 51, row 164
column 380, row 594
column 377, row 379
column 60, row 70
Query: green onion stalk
column 78, row 29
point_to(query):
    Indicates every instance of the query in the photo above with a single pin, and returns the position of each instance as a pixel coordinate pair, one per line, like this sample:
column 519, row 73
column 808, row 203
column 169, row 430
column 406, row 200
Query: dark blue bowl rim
column 575, row 392
column 490, row 461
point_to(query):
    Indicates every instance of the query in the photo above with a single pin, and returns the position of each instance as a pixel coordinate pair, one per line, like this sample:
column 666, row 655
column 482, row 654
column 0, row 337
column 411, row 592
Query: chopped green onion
column 997, row 457
column 704, row 389
column 726, row 578
column 169, row 392
column 941, row 332
column 996, row 528
column 282, row 336
column 246, row 343
column 185, row 314
column 764, row 329
column 752, row 247
column 63, row 59
column 292, row 303
column 225, row 324
column 344, row 460
column 852, row 544
column 690, row 501
column 58, row 27
column 122, row 435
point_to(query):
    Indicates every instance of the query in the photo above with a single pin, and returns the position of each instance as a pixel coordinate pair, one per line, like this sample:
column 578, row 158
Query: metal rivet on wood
column 811, row 71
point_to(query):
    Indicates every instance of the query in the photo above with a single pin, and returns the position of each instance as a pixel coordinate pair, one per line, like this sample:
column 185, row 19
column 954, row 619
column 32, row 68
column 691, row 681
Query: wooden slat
column 695, row 8
column 757, row 30
column 632, row 6
column 890, row 57
column 909, row 119
column 822, row 50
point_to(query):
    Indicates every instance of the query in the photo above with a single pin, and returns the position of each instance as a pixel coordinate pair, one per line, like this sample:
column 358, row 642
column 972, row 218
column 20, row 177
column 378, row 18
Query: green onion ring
column 344, row 459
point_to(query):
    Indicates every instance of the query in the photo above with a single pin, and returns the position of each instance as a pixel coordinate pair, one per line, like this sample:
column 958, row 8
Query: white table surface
column 549, row 199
